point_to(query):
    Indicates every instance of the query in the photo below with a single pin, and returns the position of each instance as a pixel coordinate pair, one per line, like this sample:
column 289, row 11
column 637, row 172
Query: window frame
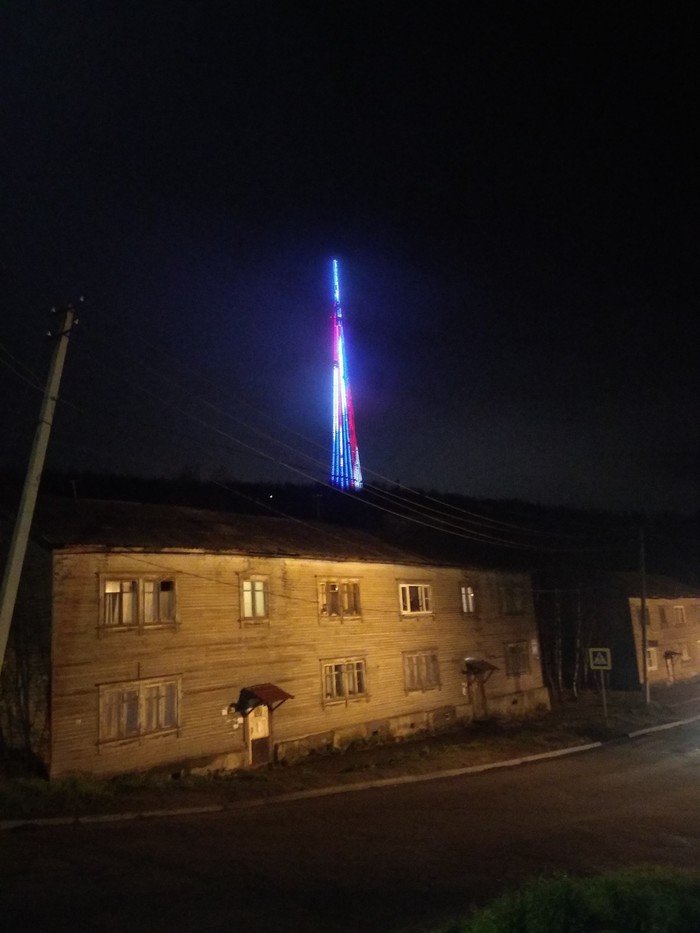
column 348, row 593
column 679, row 617
column 140, row 614
column 467, row 598
column 652, row 659
column 424, row 592
column 421, row 670
column 350, row 674
column 113, row 701
column 512, row 599
column 254, row 618
column 513, row 670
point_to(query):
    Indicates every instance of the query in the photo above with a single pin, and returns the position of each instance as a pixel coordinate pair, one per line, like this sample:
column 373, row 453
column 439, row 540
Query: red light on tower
column 345, row 456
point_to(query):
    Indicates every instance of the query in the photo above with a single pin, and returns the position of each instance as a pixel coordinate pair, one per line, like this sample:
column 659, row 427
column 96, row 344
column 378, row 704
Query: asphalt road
column 399, row 858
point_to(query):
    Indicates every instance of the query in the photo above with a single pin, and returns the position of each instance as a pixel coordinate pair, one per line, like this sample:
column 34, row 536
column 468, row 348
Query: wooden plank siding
column 214, row 654
column 673, row 629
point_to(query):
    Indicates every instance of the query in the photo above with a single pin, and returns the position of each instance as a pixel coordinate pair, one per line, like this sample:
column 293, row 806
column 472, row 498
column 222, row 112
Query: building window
column 647, row 618
column 254, row 597
column 137, row 601
column 517, row 658
column 685, row 652
column 467, row 597
column 339, row 599
column 415, row 598
column 512, row 600
column 652, row 659
column 679, row 615
column 142, row 707
column 663, row 618
column 344, row 679
column 421, row 670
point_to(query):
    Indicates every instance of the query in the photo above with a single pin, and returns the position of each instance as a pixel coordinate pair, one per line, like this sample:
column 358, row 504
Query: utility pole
column 643, row 613
column 65, row 318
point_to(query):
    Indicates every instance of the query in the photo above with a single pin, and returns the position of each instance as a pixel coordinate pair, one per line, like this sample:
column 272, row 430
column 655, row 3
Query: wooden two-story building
column 168, row 637
column 672, row 614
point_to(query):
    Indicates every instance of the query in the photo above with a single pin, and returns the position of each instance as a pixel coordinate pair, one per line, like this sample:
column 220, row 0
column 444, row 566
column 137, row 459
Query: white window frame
column 133, row 709
column 421, row 670
column 343, row 680
column 679, row 615
column 133, row 602
column 411, row 594
column 339, row 599
column 652, row 659
column 255, row 599
column 467, row 598
column 510, row 654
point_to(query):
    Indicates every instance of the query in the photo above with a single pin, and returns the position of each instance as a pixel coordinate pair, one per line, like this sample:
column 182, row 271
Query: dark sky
column 511, row 190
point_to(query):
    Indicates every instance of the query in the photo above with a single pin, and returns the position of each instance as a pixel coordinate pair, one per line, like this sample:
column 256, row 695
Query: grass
column 634, row 900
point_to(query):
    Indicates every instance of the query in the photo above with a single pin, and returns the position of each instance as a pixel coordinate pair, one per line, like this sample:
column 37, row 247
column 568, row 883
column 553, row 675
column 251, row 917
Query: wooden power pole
column 18, row 546
column 643, row 614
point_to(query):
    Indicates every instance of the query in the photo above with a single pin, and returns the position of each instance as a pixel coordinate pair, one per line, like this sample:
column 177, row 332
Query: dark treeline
column 551, row 540
column 574, row 555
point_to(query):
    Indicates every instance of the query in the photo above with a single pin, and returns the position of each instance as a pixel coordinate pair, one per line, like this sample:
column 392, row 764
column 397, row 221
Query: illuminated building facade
column 345, row 458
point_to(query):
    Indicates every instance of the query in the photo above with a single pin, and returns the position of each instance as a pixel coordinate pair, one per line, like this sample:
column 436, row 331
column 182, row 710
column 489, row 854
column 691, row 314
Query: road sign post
column 600, row 659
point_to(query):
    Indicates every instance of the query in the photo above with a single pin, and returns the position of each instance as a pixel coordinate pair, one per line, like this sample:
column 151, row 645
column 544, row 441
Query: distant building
column 672, row 612
column 167, row 637
column 603, row 610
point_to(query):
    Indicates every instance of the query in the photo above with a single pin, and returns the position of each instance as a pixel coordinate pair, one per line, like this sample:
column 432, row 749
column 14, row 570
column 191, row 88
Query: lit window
column 339, row 599
column 255, row 599
column 344, row 679
column 120, row 604
column 158, row 601
column 421, row 670
column 467, row 596
column 130, row 710
column 652, row 659
column 517, row 658
column 137, row 602
column 415, row 598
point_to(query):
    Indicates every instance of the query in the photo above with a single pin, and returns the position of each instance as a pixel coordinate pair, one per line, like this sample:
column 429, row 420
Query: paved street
column 397, row 858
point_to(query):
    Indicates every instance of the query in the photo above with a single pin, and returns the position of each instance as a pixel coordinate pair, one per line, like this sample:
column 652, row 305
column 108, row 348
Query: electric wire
column 422, row 517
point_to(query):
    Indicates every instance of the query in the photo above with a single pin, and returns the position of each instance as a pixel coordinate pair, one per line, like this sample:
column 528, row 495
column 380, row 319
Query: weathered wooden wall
column 666, row 633
column 216, row 655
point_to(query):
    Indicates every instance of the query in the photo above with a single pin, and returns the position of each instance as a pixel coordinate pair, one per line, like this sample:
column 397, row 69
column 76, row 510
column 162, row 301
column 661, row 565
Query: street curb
column 42, row 822
column 661, row 728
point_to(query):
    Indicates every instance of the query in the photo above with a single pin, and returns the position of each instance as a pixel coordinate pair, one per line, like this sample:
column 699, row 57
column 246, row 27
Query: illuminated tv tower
column 345, row 458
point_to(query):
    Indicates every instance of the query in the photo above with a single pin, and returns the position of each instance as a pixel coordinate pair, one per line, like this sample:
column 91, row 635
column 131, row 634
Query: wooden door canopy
column 269, row 695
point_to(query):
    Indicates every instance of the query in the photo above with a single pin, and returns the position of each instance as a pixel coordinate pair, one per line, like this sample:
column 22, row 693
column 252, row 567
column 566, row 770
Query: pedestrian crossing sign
column 599, row 659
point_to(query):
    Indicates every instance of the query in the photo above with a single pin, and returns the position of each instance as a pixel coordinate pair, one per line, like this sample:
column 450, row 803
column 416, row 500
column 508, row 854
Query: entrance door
column 259, row 734
column 477, row 696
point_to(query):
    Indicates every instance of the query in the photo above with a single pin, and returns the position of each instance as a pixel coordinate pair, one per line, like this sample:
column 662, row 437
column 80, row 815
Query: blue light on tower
column 345, row 457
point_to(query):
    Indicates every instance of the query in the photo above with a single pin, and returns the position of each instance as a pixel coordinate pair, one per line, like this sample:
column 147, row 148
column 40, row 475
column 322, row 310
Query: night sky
column 511, row 191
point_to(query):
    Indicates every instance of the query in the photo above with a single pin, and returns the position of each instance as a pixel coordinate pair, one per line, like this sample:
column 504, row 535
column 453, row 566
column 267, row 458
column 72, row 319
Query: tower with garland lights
column 345, row 457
